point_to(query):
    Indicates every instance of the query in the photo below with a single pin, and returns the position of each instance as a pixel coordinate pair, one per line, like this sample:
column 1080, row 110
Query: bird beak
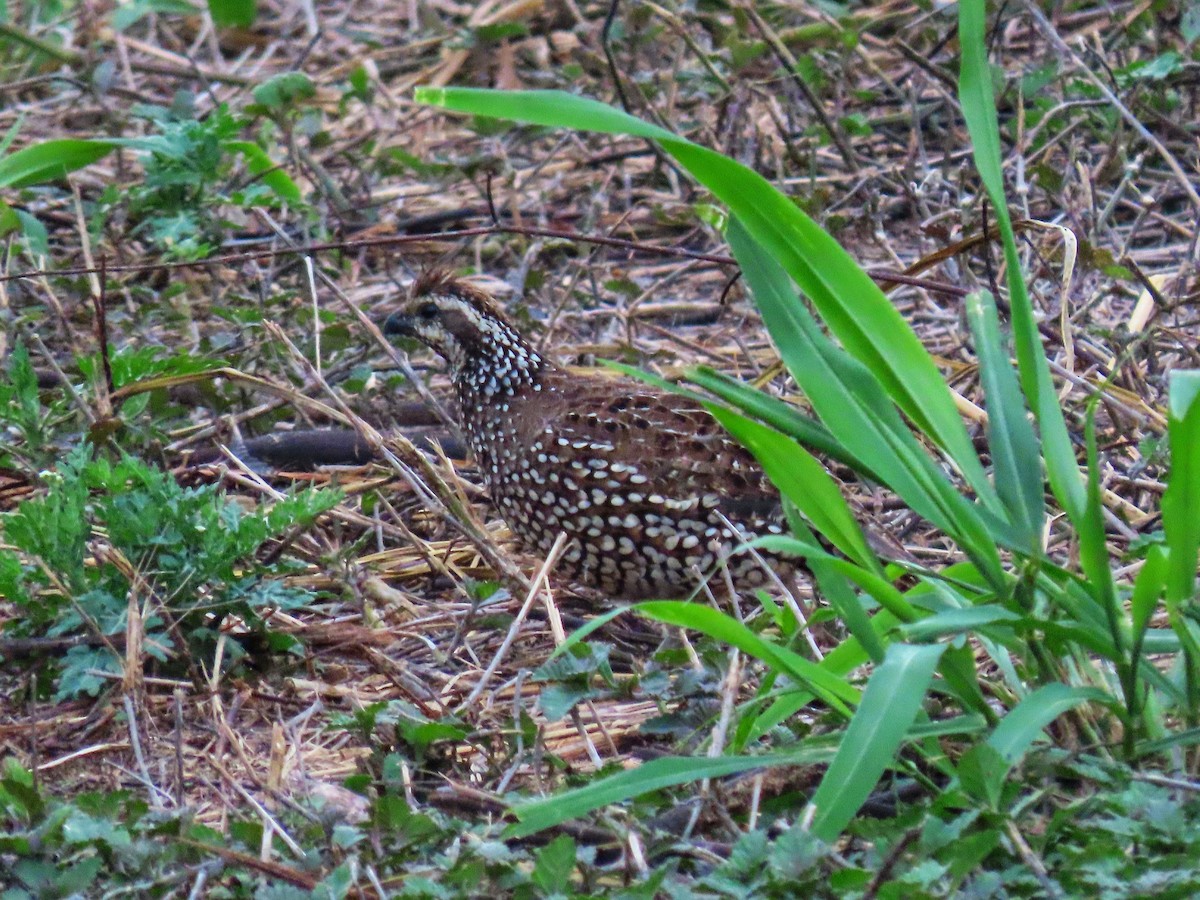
column 398, row 324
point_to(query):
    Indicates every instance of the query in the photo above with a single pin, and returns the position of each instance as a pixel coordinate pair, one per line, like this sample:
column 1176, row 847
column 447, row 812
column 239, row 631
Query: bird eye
column 428, row 311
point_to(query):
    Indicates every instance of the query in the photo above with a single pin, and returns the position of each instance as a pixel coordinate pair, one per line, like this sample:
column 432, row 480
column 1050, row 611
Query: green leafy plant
column 190, row 180
column 1065, row 638
column 22, row 414
column 235, row 13
column 104, row 534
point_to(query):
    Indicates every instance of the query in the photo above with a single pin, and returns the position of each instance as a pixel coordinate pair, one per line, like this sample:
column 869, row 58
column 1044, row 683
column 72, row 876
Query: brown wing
column 661, row 443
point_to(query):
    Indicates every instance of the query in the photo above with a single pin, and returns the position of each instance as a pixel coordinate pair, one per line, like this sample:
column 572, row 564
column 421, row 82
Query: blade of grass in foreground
column 850, row 403
column 979, row 110
column 852, row 305
column 1016, row 455
column 1181, row 524
column 1180, row 503
column 804, row 481
column 50, row 160
column 1020, row 728
column 830, row 688
column 655, row 775
column 888, row 709
column 781, row 416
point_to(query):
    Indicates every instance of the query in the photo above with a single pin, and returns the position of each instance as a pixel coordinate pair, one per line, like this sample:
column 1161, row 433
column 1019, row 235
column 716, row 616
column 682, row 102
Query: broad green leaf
column 830, row 688
column 1016, row 456
column 836, row 589
column 828, row 674
column 979, row 111
column 1147, row 588
column 537, row 815
column 853, row 306
column 1024, row 724
column 1181, row 502
column 555, row 863
column 37, row 239
column 262, row 167
column 889, row 707
column 781, row 416
column 853, row 407
column 283, row 90
column 1093, row 548
column 233, row 13
column 958, row 621
column 842, row 660
column 981, row 772
column 804, row 481
column 875, row 584
column 9, row 220
column 50, row 161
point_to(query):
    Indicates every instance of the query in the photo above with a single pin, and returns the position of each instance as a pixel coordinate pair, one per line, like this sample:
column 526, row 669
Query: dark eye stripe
column 428, row 311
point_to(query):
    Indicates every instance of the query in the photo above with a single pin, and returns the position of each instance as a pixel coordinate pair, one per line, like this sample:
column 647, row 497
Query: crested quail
column 646, row 484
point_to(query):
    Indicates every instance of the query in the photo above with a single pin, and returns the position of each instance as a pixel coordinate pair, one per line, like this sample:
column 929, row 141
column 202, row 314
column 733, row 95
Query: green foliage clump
column 192, row 181
column 22, row 415
column 186, row 166
column 114, row 841
column 104, row 532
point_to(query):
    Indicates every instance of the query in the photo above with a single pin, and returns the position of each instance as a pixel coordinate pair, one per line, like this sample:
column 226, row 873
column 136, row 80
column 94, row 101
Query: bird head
column 461, row 323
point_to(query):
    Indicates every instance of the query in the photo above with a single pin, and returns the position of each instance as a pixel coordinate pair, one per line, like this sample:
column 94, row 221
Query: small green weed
column 192, row 181
column 27, row 424
column 103, row 532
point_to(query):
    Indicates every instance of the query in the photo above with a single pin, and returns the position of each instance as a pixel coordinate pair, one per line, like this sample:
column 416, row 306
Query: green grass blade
column 831, row 688
column 1187, row 737
column 880, row 589
column 556, row 109
column 1016, row 455
column 50, row 161
column 537, row 815
column 836, row 588
column 842, row 660
column 1093, row 549
column 979, row 111
column 1181, row 524
column 1147, row 588
column 1024, row 724
column 804, row 481
column 888, row 709
column 853, row 407
column 11, row 134
column 580, row 633
column 959, row 621
column 1181, row 502
column 779, row 415
column 852, row 305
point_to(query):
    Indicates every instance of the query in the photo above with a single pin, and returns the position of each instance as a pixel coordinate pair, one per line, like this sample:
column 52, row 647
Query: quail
column 649, row 488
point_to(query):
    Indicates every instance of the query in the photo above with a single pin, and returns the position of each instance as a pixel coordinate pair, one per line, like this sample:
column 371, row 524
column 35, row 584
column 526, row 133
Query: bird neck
column 501, row 365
